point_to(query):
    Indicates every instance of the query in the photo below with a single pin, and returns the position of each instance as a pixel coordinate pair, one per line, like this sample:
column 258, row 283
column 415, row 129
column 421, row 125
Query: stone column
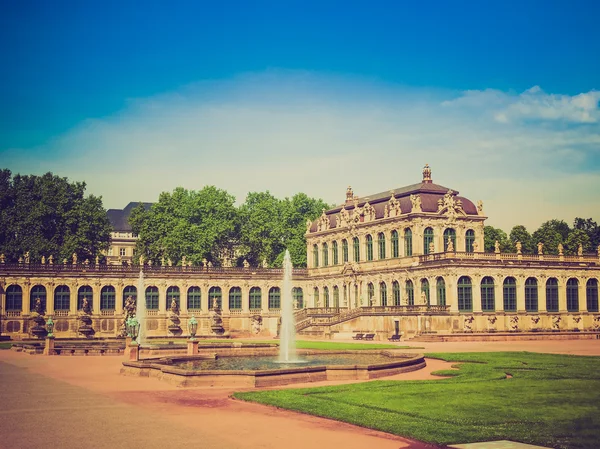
column 476, row 291
column 264, row 298
column 541, row 290
column 245, row 291
column 452, row 293
column 562, row 296
column 119, row 300
column 26, row 286
column 50, row 299
column 183, row 288
column 225, row 298
column 498, row 296
column 521, row 295
column 581, row 292
column 162, row 297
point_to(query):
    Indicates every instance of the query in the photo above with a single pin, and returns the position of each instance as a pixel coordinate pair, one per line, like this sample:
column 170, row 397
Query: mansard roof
column 119, row 218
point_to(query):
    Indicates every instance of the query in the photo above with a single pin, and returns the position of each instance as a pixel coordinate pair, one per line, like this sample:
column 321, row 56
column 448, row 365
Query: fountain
column 140, row 307
column 287, row 334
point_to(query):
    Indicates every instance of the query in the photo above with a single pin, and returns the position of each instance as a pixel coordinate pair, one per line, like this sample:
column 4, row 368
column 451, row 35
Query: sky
column 500, row 98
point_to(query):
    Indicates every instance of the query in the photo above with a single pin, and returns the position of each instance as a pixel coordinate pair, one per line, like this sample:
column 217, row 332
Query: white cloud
column 289, row 132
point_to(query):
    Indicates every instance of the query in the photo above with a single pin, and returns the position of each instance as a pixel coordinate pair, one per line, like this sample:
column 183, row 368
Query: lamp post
column 50, row 327
column 133, row 328
column 192, row 346
column 49, row 344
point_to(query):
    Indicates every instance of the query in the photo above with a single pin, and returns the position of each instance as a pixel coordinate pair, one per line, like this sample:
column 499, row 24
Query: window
column 449, row 235
column 470, row 241
column 509, row 294
column 235, row 298
column 591, row 294
column 531, row 295
column 370, row 293
column 334, row 250
column 425, row 290
column 152, row 298
column 325, row 254
column 487, row 295
column 410, row 293
column 62, row 298
column 345, row 250
column 383, row 293
column 381, row 245
column 274, row 298
column 369, row 247
column 14, row 298
column 407, row 242
column 37, row 292
column 215, row 298
column 122, row 252
column 326, row 296
column 194, row 298
column 298, row 297
column 440, row 287
column 255, row 297
column 107, row 298
column 84, row 292
column 172, row 294
column 572, row 295
column 465, row 294
column 552, row 295
column 395, row 245
column 315, row 256
column 336, row 297
column 356, row 244
column 396, row 292
column 427, row 240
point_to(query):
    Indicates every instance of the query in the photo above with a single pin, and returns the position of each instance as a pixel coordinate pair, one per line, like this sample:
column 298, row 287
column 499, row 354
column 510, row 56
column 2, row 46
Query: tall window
column 315, row 256
column 509, row 294
column 470, row 241
column 396, row 292
column 84, row 292
column 255, row 298
column 62, row 298
column 465, row 294
column 334, row 250
column 235, row 298
column 274, row 298
column 425, row 290
column 215, row 295
column 336, row 297
column 370, row 292
column 345, row 250
column 381, row 245
column 487, row 295
column 14, row 298
column 107, row 298
column 172, row 294
column 194, row 298
column 531, row 295
column 395, row 244
column 383, row 294
column 427, row 240
column 591, row 294
column 129, row 291
column 410, row 293
column 356, row 244
column 326, row 296
column 440, row 287
column 325, row 254
column 37, row 292
column 369, row 247
column 407, row 242
column 572, row 295
column 298, row 297
column 152, row 298
column 449, row 234
column 552, row 295
column 316, row 296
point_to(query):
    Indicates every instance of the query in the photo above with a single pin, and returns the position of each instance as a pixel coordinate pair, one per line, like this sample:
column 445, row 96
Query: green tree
column 551, row 233
column 591, row 228
column 577, row 237
column 491, row 235
column 520, row 234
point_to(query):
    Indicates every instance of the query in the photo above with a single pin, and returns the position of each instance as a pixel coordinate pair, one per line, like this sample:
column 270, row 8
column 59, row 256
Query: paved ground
column 75, row 402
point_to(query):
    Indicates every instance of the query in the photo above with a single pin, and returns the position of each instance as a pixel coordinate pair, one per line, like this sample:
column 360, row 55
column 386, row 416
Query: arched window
column 383, row 294
column 37, row 292
column 62, row 298
column 107, row 298
column 345, row 250
column 129, row 291
column 194, row 298
column 172, row 294
column 410, row 293
column 84, row 292
column 235, row 298
column 298, row 297
column 531, row 295
column 552, row 295
column 465, row 294
column 370, row 293
column 407, row 242
column 381, row 245
column 334, row 249
column 326, row 296
column 487, row 295
column 215, row 297
column 449, row 235
column 396, row 292
column 427, row 240
column 315, row 256
column 14, row 298
column 152, row 298
column 440, row 287
column 336, row 296
column 274, row 298
column 325, row 254
column 356, row 244
column 572, row 295
column 255, row 298
column 470, row 241
column 395, row 244
column 316, row 297
column 509, row 294
column 425, row 290
column 369, row 247
column 591, row 294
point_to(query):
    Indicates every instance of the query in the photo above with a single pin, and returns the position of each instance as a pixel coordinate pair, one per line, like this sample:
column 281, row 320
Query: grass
column 551, row 400
column 5, row 345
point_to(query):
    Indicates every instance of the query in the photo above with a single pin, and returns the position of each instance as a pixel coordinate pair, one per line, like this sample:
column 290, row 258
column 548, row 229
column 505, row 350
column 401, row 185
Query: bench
column 358, row 336
column 369, row 337
column 394, row 338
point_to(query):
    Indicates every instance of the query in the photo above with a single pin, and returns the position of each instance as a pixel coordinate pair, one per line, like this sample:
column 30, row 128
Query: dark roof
column 119, row 218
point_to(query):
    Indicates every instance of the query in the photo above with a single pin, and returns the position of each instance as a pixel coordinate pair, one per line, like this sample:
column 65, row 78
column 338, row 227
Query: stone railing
column 589, row 258
column 107, row 312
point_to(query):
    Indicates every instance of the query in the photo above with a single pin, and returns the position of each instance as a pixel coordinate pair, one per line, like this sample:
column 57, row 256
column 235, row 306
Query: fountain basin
column 178, row 370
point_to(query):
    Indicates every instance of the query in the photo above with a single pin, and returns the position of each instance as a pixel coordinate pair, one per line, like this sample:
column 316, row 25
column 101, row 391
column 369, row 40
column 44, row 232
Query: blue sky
column 500, row 98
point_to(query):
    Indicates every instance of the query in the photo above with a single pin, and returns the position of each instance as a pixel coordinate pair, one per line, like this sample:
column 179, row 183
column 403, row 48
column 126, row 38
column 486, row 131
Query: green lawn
column 551, row 400
column 5, row 345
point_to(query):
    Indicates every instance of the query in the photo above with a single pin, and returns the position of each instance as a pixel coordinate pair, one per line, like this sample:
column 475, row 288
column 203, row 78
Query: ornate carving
column 416, row 203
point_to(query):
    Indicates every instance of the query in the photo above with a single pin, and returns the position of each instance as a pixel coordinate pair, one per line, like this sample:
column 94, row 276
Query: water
column 287, row 332
column 140, row 308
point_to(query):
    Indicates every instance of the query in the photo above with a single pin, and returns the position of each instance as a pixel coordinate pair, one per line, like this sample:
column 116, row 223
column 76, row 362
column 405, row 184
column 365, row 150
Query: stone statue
column 580, row 250
column 174, row 307
column 162, row 261
column 246, row 264
column 27, row 257
column 86, row 306
column 141, row 260
column 65, row 261
column 560, row 249
column 308, row 225
column 3, row 257
column 215, row 304
column 519, row 247
column 497, row 247
column 21, row 259
column 129, row 307
column 169, row 262
column 43, row 260
column 37, row 308
column 479, row 207
column 475, row 247
column 149, row 262
column 74, row 258
column 540, row 248
column 204, row 262
column 265, row 264
column 416, row 203
column 423, row 298
column 51, row 259
column 209, row 264
column 256, row 324
column 97, row 260
column 386, row 211
column 450, row 246
column 431, row 248
column 184, row 261
column 86, row 262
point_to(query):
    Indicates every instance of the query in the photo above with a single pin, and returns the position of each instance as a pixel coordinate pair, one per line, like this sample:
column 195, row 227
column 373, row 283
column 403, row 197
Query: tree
column 577, row 237
column 591, row 228
column 47, row 215
column 491, row 235
column 520, row 234
column 551, row 233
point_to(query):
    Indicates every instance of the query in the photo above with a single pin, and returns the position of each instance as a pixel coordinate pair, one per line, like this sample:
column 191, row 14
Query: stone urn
column 85, row 320
column 216, row 322
column 39, row 327
column 175, row 323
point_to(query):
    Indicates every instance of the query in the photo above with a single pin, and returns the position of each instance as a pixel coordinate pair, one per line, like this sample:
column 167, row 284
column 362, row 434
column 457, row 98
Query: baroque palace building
column 407, row 261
